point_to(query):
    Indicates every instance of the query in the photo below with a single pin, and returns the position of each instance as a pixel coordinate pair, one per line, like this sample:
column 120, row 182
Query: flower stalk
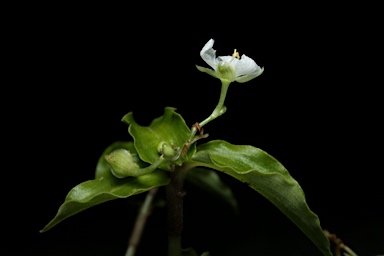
column 220, row 108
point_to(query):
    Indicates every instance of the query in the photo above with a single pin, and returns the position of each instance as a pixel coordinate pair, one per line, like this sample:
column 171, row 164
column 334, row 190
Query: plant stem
column 140, row 222
column 174, row 245
column 218, row 111
column 174, row 191
column 220, row 108
column 175, row 196
column 339, row 245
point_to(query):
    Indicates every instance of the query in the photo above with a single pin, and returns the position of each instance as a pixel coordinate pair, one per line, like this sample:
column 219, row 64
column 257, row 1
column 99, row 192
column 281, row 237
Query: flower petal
column 208, row 54
column 246, row 78
column 229, row 59
column 246, row 66
column 207, row 70
column 228, row 68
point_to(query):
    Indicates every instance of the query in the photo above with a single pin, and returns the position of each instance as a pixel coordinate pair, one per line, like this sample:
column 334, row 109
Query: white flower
column 229, row 68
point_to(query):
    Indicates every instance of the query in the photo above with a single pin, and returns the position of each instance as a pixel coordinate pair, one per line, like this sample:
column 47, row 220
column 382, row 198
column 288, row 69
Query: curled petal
column 208, row 54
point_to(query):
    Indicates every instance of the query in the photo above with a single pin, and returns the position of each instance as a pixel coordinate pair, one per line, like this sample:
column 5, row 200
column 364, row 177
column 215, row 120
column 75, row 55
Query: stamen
column 236, row 54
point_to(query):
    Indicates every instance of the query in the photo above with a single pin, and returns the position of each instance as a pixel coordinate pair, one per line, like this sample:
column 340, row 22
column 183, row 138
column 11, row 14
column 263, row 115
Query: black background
column 76, row 70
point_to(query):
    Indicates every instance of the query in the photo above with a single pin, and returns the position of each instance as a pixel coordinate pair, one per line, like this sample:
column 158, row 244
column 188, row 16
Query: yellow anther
column 236, row 54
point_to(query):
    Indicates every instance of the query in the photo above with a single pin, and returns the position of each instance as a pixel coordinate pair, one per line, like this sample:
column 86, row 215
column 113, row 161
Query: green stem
column 192, row 136
column 220, row 108
column 218, row 111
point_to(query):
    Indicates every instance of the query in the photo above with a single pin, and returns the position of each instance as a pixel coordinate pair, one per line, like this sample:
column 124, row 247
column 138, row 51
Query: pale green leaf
column 169, row 128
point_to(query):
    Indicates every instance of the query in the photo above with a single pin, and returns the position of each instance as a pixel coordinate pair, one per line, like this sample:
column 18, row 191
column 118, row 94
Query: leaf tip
column 128, row 118
column 169, row 111
column 46, row 228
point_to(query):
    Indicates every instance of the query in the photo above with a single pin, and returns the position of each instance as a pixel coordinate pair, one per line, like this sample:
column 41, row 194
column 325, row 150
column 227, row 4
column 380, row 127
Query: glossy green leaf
column 209, row 180
column 169, row 128
column 106, row 187
column 267, row 176
column 94, row 192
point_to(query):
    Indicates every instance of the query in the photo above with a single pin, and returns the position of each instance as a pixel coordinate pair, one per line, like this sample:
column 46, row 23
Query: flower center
column 236, row 54
column 226, row 71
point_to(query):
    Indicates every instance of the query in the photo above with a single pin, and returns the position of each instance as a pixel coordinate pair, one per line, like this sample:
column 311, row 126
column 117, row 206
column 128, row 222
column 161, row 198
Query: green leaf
column 169, row 128
column 94, row 192
column 106, row 187
column 210, row 181
column 267, row 176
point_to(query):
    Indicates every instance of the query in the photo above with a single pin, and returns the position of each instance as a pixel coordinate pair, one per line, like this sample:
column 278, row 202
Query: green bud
column 167, row 150
column 225, row 71
column 160, row 147
column 123, row 163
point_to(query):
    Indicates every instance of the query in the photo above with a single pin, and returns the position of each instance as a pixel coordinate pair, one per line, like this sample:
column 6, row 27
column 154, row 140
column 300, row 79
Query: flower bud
column 167, row 150
column 122, row 162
